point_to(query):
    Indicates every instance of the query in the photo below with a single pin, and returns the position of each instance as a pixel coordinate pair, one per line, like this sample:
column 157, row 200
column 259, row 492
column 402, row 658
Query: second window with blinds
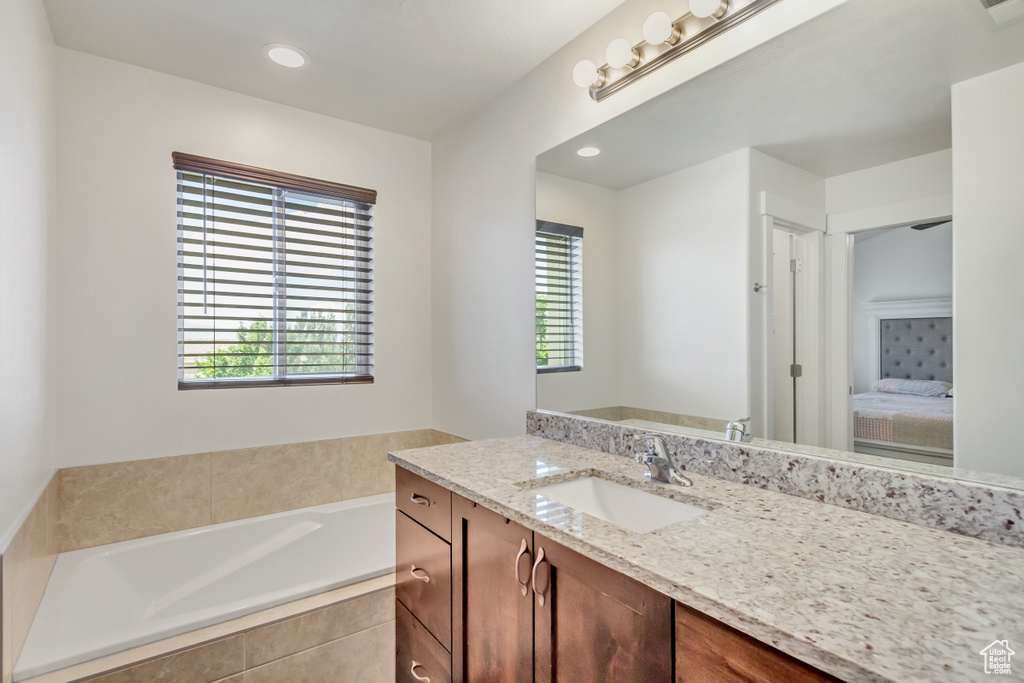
column 559, row 285
column 275, row 278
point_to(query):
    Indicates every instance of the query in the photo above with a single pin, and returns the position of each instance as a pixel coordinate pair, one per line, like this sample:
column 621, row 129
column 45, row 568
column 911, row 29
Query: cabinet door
column 594, row 624
column 423, row 576
column 492, row 615
column 708, row 651
column 418, row 655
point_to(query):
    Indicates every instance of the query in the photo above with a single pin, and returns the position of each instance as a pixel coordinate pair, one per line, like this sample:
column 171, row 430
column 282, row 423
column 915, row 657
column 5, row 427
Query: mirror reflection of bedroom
column 766, row 256
column 902, row 342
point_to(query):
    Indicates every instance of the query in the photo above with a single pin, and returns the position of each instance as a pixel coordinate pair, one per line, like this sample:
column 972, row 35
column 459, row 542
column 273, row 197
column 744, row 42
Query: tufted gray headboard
column 916, row 348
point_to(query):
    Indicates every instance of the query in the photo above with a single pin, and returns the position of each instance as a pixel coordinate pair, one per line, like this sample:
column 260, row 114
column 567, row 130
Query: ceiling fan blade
column 925, row 226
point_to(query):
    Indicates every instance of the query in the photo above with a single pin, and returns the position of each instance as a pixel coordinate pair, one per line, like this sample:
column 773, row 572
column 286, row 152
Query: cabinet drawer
column 418, row 656
column 708, row 651
column 423, row 576
column 424, row 501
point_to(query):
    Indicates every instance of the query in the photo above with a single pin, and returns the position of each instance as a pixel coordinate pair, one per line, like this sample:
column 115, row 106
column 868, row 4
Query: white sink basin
column 621, row 505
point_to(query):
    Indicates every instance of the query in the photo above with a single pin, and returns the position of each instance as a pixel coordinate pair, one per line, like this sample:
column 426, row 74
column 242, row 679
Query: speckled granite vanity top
column 861, row 597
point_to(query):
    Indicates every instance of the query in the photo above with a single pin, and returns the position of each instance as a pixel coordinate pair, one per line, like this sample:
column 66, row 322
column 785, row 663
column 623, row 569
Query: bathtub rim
column 162, row 648
column 364, row 584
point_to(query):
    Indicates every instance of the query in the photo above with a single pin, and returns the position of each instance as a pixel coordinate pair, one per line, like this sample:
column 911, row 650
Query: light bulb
column 286, row 55
column 620, row 53
column 585, row 74
column 658, row 29
column 702, row 9
column 588, row 151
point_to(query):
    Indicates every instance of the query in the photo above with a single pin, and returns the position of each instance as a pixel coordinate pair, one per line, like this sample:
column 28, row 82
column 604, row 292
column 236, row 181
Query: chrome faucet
column 659, row 466
column 737, row 431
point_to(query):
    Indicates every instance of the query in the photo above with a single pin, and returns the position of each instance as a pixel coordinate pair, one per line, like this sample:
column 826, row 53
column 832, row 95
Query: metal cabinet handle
column 533, row 576
column 412, row 670
column 420, row 500
column 412, row 571
column 524, row 586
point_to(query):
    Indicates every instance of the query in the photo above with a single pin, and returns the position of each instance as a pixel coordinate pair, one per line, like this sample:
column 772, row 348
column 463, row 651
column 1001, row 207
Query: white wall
column 595, row 210
column 683, row 275
column 116, row 255
column 914, row 189
column 483, row 175
column 988, row 270
column 26, row 260
column 901, row 263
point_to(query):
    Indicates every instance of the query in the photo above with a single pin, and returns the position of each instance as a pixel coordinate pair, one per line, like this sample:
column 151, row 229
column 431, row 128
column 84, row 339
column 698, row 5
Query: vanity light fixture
column 286, row 55
column 588, row 151
column 659, row 28
column 586, row 74
column 621, row 54
column 664, row 40
column 702, row 9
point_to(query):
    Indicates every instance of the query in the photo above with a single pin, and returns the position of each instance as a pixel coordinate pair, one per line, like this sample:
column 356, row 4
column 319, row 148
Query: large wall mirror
column 766, row 253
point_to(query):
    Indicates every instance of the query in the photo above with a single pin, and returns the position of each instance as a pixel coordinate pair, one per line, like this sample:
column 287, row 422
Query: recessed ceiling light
column 588, row 151
column 286, row 55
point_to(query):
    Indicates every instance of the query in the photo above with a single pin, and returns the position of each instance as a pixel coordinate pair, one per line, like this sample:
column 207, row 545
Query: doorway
column 787, row 321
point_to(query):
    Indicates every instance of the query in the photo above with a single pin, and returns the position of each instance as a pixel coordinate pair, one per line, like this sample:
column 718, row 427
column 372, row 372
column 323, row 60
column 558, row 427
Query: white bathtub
column 115, row 597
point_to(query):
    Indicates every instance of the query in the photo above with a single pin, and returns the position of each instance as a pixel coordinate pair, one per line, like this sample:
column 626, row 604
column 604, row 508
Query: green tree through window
column 315, row 342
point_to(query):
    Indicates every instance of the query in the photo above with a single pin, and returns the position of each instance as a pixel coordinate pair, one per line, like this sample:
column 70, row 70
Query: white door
column 783, row 326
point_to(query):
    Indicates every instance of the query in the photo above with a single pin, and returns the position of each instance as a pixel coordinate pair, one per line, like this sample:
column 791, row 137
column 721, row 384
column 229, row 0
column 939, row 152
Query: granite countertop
column 862, row 597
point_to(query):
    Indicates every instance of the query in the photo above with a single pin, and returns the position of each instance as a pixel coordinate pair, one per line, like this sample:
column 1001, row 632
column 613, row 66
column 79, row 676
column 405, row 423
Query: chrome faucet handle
column 655, row 444
column 737, row 430
column 659, row 465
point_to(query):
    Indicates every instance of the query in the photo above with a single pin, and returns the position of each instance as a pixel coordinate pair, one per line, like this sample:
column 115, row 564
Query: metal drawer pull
column 533, row 576
column 524, row 586
column 425, row 679
column 420, row 500
column 412, row 571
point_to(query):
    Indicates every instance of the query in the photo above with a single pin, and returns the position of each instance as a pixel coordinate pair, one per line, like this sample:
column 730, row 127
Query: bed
column 908, row 413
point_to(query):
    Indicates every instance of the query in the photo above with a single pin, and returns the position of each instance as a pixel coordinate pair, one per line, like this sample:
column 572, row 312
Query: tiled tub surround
column 98, row 504
column 346, row 636
column 859, row 596
column 915, row 493
column 623, row 413
column 24, row 569
column 102, row 504
column 108, row 599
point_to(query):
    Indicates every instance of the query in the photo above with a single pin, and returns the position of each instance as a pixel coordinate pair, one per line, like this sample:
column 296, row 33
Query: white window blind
column 275, row 284
column 559, row 273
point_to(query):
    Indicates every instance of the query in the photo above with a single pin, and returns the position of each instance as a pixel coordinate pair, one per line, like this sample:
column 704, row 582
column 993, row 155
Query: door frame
column 809, row 225
column 839, row 254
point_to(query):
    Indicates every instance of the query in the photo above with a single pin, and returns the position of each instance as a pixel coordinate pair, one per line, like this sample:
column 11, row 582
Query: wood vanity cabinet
column 708, row 651
column 534, row 610
column 492, row 615
column 506, row 605
column 423, row 588
column 592, row 623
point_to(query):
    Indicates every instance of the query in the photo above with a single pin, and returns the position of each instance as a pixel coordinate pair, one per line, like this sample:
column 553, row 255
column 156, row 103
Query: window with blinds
column 559, row 271
column 275, row 278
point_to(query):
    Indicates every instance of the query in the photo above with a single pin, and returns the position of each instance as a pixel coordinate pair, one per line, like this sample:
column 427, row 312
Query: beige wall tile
column 237, row 678
column 26, row 567
column 260, row 481
column 109, row 503
column 364, row 657
column 366, row 468
column 443, row 438
column 202, row 664
column 294, row 635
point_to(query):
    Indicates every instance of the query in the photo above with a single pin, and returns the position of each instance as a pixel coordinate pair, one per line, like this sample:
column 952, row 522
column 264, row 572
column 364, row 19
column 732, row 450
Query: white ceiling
column 410, row 66
column 866, row 84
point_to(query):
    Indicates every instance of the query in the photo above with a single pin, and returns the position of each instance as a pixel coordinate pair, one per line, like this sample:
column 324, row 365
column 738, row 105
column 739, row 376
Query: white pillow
column 913, row 387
